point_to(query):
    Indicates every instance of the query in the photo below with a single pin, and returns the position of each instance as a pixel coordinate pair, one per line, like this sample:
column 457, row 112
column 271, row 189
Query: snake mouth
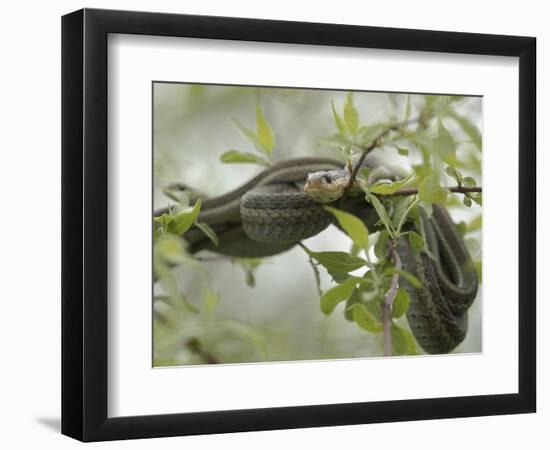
column 321, row 195
column 326, row 186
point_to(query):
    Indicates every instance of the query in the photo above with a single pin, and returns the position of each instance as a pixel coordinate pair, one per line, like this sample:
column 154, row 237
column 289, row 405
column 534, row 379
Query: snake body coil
column 277, row 213
column 271, row 213
column 438, row 313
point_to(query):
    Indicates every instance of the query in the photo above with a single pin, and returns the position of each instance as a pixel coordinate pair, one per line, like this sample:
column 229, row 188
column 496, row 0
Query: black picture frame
column 84, row 224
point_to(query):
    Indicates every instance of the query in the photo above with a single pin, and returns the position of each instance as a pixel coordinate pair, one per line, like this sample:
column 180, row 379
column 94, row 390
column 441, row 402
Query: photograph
column 267, row 225
column 300, row 224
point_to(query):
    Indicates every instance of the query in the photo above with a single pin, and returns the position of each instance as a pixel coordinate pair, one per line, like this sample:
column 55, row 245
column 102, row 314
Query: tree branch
column 388, row 301
column 355, row 170
column 455, row 189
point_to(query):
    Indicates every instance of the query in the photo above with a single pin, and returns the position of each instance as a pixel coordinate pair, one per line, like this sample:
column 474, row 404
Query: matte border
column 84, row 224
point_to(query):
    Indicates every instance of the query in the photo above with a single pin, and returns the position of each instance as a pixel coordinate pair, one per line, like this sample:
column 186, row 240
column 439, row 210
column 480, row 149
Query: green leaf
column 389, row 188
column 421, row 170
column 211, row 301
column 353, row 226
column 416, row 240
column 351, row 116
column 183, row 221
column 171, row 249
column 235, row 156
column 355, row 249
column 156, row 233
column 454, row 173
column 250, row 279
column 413, row 281
column 338, row 277
column 401, row 303
column 411, row 342
column 339, row 121
column 266, row 139
column 469, row 181
column 381, row 211
column 371, row 296
column 400, row 210
column 208, row 231
column 399, row 343
column 366, row 319
column 430, row 191
column 475, row 224
column 461, row 228
column 416, row 218
column 403, row 341
column 353, row 299
column 249, row 266
column 382, row 244
column 247, row 132
column 368, row 133
column 337, row 262
column 445, row 144
column 375, row 305
column 478, row 267
column 164, row 220
column 453, row 202
column 467, row 201
column 403, row 151
column 335, row 140
column 477, row 197
column 337, row 294
column 364, row 173
column 469, row 128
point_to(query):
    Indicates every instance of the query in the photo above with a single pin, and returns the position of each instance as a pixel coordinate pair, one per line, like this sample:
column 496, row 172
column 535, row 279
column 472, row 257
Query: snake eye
column 327, row 179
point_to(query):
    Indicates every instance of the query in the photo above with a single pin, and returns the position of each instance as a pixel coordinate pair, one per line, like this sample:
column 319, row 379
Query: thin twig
column 375, row 143
column 357, row 166
column 388, row 301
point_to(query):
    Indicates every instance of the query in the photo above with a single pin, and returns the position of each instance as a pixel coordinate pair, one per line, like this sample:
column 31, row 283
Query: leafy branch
column 263, row 140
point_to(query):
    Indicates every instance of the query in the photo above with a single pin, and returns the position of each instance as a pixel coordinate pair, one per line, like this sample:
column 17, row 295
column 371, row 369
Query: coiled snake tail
column 438, row 312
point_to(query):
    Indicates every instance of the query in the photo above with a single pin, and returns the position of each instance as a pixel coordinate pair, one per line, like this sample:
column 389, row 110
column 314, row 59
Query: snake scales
column 271, row 213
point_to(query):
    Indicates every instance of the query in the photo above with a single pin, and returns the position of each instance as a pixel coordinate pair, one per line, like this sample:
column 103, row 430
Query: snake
column 284, row 205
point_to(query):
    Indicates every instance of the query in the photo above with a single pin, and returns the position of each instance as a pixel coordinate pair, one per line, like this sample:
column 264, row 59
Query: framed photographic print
column 273, row 224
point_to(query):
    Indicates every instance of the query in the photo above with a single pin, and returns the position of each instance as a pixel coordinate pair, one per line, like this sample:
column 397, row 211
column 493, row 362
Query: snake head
column 181, row 193
column 326, row 186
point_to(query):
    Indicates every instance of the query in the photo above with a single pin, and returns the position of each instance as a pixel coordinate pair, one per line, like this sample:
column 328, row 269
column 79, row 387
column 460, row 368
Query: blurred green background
column 277, row 319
